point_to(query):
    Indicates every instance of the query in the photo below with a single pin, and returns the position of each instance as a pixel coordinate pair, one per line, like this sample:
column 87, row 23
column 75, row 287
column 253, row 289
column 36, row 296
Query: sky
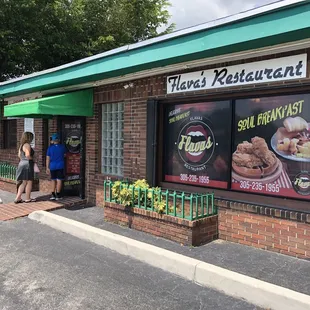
column 186, row 13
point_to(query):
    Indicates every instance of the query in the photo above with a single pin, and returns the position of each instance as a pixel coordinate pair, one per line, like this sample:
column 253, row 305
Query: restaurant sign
column 267, row 71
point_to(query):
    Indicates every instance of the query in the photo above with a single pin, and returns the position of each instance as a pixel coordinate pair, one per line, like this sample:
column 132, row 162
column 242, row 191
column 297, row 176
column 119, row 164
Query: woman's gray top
column 25, row 169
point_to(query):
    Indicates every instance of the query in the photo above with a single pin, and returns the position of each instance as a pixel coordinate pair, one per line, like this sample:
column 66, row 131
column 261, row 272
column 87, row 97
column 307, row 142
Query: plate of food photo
column 293, row 140
column 254, row 161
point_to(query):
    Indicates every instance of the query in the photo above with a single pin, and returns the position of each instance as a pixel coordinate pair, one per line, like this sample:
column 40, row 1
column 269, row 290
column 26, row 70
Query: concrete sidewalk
column 278, row 269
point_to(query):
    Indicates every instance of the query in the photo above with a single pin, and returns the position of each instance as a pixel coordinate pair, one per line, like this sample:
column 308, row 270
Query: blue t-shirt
column 56, row 153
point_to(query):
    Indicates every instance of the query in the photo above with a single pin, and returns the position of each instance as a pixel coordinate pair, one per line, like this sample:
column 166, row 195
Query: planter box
column 9, row 185
column 180, row 230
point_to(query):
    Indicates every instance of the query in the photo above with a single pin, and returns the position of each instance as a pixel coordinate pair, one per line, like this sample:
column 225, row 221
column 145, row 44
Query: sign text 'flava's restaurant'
column 274, row 70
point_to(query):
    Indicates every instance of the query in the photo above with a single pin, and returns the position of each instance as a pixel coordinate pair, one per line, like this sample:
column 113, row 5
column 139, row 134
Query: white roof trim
column 129, row 78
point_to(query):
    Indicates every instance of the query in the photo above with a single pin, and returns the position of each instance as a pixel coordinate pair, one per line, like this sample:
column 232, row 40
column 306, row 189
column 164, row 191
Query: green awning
column 79, row 103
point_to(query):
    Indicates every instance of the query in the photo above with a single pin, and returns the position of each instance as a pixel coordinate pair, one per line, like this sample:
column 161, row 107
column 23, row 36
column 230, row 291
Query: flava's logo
column 301, row 183
column 196, row 143
column 73, row 142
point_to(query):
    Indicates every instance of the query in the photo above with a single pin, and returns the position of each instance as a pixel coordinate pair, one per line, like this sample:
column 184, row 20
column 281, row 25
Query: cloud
column 186, row 13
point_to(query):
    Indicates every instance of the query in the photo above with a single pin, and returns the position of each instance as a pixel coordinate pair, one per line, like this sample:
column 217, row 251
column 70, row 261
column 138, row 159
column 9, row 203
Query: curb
column 231, row 283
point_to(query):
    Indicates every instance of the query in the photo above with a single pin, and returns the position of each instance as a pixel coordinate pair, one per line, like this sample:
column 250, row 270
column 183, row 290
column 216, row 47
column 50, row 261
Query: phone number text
column 259, row 187
column 195, row 179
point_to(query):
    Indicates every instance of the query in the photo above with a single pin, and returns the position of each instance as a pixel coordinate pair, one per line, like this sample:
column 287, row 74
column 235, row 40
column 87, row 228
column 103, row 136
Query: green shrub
column 128, row 195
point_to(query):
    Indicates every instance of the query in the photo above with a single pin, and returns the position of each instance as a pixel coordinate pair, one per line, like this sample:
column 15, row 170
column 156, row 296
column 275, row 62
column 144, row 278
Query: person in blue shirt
column 55, row 164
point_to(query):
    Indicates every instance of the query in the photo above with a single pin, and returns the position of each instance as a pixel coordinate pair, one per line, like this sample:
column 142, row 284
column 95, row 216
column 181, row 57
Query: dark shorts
column 57, row 174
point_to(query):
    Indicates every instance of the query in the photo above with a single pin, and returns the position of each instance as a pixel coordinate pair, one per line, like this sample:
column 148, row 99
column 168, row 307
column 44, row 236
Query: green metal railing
column 179, row 204
column 7, row 171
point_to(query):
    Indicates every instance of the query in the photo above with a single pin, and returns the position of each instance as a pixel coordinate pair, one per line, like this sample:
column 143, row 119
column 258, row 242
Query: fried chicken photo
column 246, row 160
column 261, row 150
column 245, row 148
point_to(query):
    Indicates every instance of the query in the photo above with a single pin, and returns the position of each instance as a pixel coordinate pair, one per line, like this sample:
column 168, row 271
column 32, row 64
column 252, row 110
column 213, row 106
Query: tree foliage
column 40, row 34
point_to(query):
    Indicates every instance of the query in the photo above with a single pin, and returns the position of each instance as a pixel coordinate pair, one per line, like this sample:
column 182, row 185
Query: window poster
column 272, row 146
column 197, row 144
column 72, row 138
column 29, row 126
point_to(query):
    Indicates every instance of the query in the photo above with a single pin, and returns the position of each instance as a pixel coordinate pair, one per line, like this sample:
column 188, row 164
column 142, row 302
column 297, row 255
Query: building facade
column 234, row 121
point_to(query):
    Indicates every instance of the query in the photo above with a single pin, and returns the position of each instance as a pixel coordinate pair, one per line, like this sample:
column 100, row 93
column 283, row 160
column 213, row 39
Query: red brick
column 251, row 220
column 245, row 224
column 305, row 247
column 297, row 251
column 258, row 227
column 252, row 240
column 236, row 236
column 287, row 233
column 245, row 233
column 296, row 230
column 281, row 227
column 288, row 223
column 273, row 249
column 272, row 239
column 263, row 223
column 281, row 247
column 245, row 242
column 272, row 230
column 288, row 253
column 266, row 233
column 271, row 220
column 238, row 228
column 266, row 243
column 258, row 237
column 296, row 240
column 303, row 226
column 260, row 246
column 253, row 231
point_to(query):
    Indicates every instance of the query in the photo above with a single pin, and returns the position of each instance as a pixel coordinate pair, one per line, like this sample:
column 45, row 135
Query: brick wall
column 168, row 227
column 135, row 105
column 274, row 230
column 11, row 155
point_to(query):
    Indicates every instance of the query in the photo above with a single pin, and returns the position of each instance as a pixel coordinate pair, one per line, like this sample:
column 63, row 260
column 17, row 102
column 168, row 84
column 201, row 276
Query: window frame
column 111, row 144
column 7, row 133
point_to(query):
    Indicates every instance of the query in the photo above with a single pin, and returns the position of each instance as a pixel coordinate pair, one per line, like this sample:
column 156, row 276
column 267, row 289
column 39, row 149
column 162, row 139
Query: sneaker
column 53, row 196
column 58, row 197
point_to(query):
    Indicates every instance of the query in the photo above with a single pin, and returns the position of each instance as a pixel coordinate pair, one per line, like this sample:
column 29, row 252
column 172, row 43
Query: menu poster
column 73, row 163
column 197, row 144
column 272, row 146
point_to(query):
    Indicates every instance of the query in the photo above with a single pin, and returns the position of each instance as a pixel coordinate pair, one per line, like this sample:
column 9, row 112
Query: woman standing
column 25, row 170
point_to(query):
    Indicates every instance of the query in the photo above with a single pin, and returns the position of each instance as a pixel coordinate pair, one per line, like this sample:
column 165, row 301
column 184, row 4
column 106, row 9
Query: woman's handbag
column 36, row 168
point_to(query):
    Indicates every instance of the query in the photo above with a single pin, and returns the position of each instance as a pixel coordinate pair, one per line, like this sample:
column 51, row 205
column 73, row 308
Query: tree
column 41, row 34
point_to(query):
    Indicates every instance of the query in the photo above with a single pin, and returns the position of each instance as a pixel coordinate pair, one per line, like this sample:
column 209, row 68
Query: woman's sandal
column 31, row 200
column 18, row 201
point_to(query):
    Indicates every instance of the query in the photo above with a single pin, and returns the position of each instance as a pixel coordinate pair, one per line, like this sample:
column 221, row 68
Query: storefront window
column 197, row 144
column 112, row 139
column 10, row 134
column 272, row 146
